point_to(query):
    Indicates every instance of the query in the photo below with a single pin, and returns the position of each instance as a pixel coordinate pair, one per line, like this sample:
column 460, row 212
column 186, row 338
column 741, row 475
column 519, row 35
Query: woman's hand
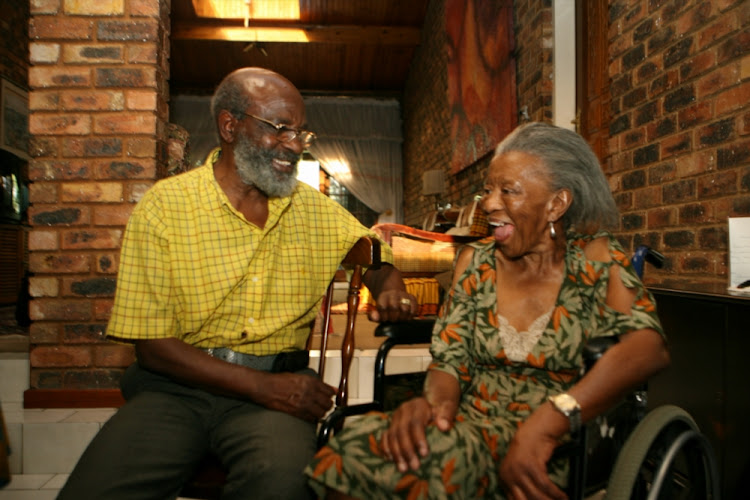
column 404, row 441
column 523, row 471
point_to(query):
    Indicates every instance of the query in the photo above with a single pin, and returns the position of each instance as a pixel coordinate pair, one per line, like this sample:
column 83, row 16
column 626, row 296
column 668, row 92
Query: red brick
column 93, row 100
column 718, row 80
column 107, row 263
column 91, row 239
column 60, row 309
column 44, row 333
column 142, row 100
column 125, row 123
column 694, row 18
column 695, row 163
column 59, row 124
column 43, row 240
column 733, row 99
column 693, row 115
column 60, row 27
column 675, row 145
column 59, row 215
column 84, row 333
column 725, row 25
column 103, row 309
column 647, row 197
column 44, row 6
column 43, row 146
column 661, row 217
column 137, row 191
column 141, row 30
column 42, row 193
column 148, row 8
column 91, row 191
column 57, row 263
column 97, row 8
column 60, row 356
column 44, row 53
column 141, row 147
column 113, row 215
column 698, row 65
column 90, row 286
column 93, row 53
column 55, row 170
column 92, row 146
column 717, row 184
column 42, row 100
column 125, row 77
column 143, row 53
column 114, row 355
column 129, row 168
column 41, row 286
column 58, row 76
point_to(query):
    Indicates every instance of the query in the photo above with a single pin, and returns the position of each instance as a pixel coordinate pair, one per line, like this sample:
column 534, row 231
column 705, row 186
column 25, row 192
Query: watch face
column 566, row 403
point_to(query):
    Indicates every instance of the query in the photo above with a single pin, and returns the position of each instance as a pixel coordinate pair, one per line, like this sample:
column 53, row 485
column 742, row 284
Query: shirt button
column 251, row 320
column 255, row 279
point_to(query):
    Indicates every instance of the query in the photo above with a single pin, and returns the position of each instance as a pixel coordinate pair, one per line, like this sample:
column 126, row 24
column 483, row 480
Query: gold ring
column 405, row 301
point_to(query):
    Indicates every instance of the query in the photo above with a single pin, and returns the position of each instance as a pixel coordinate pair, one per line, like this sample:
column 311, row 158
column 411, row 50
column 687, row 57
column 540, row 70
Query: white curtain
column 359, row 144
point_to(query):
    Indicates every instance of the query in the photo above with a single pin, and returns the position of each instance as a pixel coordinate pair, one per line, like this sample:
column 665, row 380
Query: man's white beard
column 255, row 168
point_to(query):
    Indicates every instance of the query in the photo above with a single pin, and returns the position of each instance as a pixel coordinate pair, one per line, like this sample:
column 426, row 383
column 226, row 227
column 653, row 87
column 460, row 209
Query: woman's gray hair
column 571, row 165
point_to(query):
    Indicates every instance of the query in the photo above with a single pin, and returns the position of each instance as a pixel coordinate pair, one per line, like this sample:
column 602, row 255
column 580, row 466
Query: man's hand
column 394, row 305
column 302, row 396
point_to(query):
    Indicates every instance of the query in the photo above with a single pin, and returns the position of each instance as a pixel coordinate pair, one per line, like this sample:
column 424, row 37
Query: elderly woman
column 504, row 389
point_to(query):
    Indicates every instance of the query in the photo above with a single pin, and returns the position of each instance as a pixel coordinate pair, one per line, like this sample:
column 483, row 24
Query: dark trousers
column 150, row 447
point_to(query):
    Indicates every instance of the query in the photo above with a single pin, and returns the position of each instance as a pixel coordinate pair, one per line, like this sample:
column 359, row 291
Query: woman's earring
column 552, row 231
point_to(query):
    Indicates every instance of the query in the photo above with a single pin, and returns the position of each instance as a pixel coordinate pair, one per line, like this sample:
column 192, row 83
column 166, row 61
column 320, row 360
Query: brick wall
column 98, row 112
column 679, row 143
column 679, row 147
column 425, row 104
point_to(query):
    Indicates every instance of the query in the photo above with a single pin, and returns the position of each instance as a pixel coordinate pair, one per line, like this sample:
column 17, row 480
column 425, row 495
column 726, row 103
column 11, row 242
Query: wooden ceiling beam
column 344, row 34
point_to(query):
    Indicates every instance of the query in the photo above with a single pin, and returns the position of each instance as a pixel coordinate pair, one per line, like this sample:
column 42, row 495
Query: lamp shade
column 433, row 182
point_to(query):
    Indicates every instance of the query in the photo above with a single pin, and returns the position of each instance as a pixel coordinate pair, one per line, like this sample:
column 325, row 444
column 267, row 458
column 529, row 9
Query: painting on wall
column 481, row 77
column 14, row 120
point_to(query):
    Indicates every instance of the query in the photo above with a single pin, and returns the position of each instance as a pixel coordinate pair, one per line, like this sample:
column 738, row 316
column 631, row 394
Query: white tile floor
column 47, row 443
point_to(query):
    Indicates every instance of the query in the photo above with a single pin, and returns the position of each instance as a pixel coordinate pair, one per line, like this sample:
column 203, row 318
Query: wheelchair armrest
column 595, row 349
column 415, row 331
column 335, row 420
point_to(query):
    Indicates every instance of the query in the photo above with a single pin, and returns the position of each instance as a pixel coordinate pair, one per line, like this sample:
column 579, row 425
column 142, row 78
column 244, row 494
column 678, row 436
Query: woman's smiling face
column 516, row 199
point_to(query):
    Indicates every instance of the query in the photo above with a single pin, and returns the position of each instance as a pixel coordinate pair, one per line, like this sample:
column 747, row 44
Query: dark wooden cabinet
column 709, row 338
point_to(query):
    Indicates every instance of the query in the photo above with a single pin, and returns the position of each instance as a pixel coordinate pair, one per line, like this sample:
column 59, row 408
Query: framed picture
column 481, row 77
column 14, row 120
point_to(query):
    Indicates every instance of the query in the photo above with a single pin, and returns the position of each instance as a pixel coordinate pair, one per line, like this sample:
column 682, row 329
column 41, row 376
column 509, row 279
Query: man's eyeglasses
column 287, row 134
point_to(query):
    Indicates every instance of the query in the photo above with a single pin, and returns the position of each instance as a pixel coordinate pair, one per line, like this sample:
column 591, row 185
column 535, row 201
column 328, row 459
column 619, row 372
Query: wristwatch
column 568, row 406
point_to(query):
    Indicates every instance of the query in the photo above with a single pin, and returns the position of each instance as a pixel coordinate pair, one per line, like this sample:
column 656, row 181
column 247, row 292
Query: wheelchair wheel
column 665, row 457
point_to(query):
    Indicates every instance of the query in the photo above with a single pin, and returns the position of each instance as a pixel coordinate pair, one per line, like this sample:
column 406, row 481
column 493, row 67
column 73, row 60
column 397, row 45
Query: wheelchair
column 627, row 453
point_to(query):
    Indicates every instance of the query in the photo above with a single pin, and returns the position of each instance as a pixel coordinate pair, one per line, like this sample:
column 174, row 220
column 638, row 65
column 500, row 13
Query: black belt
column 291, row 361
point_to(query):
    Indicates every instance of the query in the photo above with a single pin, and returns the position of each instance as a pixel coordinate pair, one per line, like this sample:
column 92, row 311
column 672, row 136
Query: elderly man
column 222, row 270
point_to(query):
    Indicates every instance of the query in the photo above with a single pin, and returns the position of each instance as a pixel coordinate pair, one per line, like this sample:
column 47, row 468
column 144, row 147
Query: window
column 362, row 212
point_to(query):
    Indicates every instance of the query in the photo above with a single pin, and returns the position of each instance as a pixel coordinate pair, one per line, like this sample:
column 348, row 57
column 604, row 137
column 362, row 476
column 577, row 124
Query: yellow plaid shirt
column 194, row 268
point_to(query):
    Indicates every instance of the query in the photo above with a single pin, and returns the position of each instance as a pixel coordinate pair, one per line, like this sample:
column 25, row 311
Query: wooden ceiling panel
column 356, row 47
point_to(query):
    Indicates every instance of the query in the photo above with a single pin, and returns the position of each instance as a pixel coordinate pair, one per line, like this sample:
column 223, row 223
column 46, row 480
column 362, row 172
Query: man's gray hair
column 571, row 165
column 231, row 95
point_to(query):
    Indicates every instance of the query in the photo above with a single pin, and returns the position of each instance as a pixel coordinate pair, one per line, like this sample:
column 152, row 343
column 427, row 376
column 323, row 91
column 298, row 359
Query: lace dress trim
column 518, row 345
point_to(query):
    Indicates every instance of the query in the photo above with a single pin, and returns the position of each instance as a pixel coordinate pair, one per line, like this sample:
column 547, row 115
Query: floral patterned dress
column 502, row 380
